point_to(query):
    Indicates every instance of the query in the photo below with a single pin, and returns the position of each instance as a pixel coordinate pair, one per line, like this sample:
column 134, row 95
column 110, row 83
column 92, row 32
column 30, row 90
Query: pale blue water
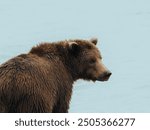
column 122, row 27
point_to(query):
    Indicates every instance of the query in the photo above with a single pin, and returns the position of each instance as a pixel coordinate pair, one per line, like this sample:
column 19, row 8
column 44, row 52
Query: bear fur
column 42, row 80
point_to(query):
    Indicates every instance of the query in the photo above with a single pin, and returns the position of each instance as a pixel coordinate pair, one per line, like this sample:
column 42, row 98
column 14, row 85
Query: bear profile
column 42, row 80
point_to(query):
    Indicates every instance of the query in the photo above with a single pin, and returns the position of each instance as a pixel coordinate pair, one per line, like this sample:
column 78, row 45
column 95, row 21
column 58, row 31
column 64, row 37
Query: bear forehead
column 92, row 53
column 88, row 48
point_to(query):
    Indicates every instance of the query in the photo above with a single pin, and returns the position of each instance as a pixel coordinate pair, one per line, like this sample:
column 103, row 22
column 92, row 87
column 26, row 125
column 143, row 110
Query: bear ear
column 73, row 47
column 94, row 40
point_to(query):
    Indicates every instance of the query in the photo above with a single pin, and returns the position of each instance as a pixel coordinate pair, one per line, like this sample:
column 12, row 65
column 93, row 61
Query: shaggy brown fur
column 41, row 81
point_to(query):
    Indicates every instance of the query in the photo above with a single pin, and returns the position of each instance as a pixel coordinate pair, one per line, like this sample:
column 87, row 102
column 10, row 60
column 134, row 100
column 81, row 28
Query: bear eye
column 92, row 61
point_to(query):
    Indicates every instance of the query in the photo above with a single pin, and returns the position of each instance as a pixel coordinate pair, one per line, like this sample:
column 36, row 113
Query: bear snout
column 104, row 76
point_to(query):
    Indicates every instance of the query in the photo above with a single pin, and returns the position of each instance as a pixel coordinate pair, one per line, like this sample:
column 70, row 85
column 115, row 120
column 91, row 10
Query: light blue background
column 123, row 30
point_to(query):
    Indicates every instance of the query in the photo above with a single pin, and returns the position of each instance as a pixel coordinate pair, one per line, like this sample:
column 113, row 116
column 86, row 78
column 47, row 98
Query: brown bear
column 42, row 80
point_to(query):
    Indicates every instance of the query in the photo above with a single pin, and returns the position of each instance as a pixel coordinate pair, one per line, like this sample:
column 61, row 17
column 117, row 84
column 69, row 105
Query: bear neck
column 60, row 52
column 67, row 61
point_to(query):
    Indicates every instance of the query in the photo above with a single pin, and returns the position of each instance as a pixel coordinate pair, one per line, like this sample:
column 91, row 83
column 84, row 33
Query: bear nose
column 105, row 76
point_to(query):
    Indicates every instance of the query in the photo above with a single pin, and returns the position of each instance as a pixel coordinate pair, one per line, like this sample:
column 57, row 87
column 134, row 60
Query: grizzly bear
column 42, row 80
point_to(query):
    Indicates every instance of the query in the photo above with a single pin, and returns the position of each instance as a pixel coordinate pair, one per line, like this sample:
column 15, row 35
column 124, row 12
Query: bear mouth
column 103, row 79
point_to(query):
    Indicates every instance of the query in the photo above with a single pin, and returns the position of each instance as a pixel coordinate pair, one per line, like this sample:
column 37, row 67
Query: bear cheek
column 92, row 73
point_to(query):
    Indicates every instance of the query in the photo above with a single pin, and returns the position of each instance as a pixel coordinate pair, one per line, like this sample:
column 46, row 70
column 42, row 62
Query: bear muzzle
column 105, row 76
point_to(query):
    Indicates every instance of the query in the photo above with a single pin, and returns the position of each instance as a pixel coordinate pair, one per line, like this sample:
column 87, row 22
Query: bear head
column 86, row 60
